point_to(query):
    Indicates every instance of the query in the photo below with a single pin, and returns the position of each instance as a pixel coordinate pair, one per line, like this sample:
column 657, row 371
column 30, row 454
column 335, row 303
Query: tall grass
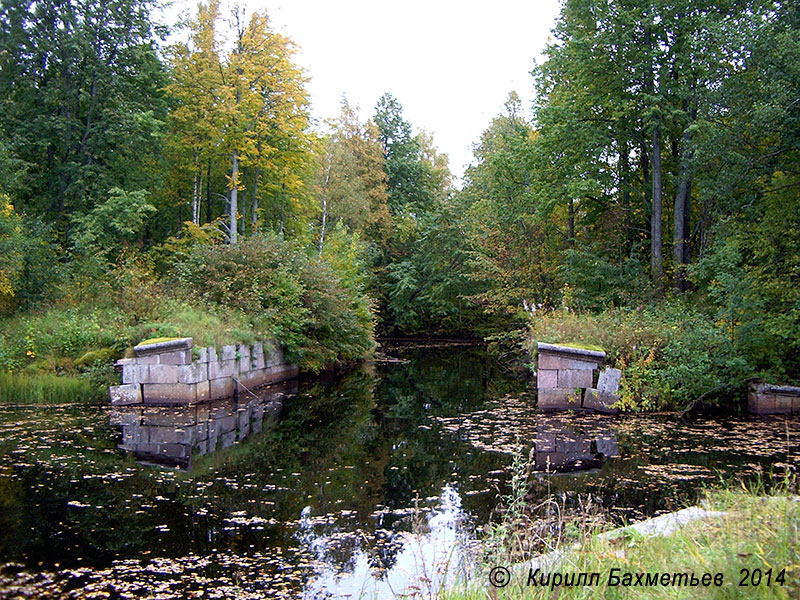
column 43, row 388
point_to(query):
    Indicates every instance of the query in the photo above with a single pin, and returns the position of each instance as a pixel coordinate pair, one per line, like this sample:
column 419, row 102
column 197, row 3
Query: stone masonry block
column 607, row 445
column 559, row 399
column 134, row 373
column 177, row 393
column 600, row 401
column 257, row 357
column 167, row 435
column 254, row 378
column 226, row 424
column 180, row 452
column 228, row 439
column 574, row 378
column 126, row 394
column 152, row 359
column 202, row 355
column 133, row 436
column 201, row 447
column 212, row 354
column 162, row 374
column 193, row 373
column 555, row 361
column 123, row 362
column 608, row 380
column 783, row 404
column 228, row 353
column 201, row 431
column 244, row 358
column 218, row 409
column 274, row 357
column 760, row 404
column 222, row 369
column 203, row 394
column 176, row 357
column 125, row 416
column 545, row 442
column 546, row 378
column 222, row 388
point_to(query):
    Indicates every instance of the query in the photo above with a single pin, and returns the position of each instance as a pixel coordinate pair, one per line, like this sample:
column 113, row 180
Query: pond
column 367, row 484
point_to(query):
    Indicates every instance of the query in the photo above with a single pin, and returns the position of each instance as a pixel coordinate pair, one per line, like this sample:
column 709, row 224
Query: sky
column 451, row 64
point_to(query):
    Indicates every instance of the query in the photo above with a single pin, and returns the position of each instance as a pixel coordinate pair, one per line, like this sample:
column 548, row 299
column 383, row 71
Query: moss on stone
column 93, row 356
column 581, row 346
column 158, row 340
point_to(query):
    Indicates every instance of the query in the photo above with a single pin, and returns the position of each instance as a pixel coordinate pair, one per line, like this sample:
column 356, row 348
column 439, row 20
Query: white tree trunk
column 234, row 231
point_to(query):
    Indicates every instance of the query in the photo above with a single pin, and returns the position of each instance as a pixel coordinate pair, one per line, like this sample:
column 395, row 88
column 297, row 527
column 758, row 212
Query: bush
column 282, row 293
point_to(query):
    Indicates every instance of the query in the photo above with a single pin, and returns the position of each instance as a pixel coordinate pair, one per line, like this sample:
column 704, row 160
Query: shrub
column 282, row 293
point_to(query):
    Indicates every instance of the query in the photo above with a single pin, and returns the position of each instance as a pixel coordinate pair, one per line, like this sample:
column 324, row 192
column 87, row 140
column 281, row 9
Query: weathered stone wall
column 764, row 399
column 566, row 376
column 165, row 373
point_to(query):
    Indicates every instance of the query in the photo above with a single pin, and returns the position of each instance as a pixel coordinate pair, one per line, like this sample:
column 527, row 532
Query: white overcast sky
column 451, row 64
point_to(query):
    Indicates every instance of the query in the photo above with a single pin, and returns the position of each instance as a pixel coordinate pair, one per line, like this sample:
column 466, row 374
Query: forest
column 647, row 202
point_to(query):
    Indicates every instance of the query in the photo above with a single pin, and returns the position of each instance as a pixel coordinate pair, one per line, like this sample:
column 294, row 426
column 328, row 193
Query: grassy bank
column 756, row 541
column 262, row 288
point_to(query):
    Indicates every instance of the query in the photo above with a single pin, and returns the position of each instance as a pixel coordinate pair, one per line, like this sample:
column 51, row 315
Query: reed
column 44, row 388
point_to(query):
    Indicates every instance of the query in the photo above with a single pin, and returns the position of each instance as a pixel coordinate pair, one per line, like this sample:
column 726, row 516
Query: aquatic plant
column 44, row 388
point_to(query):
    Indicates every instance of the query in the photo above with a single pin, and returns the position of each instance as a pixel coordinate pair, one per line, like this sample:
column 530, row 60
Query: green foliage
column 422, row 280
column 102, row 355
column 82, row 103
column 113, row 224
column 427, row 290
column 116, row 175
column 28, row 269
column 180, row 246
column 592, row 283
column 752, row 285
column 514, row 240
column 284, row 294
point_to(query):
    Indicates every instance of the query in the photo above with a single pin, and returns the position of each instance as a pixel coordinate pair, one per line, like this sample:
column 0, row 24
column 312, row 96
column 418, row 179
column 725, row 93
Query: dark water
column 363, row 484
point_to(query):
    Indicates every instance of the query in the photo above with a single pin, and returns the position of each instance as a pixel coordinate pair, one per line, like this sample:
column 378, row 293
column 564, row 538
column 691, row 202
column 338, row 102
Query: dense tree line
column 658, row 164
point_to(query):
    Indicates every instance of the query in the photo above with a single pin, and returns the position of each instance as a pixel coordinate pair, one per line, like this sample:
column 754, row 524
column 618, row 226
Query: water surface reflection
column 360, row 474
column 171, row 435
